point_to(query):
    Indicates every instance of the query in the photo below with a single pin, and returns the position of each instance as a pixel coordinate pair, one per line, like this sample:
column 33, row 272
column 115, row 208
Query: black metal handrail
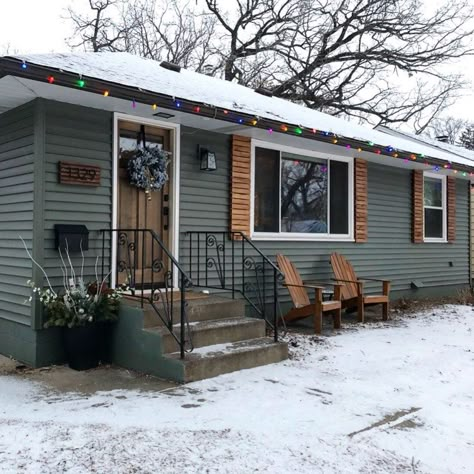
column 230, row 261
column 148, row 268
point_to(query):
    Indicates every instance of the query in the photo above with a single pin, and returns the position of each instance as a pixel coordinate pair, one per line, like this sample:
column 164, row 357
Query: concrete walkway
column 60, row 378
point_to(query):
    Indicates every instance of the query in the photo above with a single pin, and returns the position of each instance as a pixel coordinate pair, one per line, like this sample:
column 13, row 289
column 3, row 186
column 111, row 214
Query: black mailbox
column 71, row 237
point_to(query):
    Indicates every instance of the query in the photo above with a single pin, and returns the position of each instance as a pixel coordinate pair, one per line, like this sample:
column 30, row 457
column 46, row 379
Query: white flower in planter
column 79, row 303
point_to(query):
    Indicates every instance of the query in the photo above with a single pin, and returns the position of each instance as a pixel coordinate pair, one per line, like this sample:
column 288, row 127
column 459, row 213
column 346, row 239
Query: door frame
column 175, row 141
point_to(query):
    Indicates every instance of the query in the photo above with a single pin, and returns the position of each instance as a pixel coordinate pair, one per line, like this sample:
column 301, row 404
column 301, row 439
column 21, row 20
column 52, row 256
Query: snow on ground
column 383, row 398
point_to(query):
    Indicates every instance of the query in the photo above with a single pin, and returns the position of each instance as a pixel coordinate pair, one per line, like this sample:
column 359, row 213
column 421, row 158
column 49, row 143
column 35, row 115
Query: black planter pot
column 105, row 341
column 82, row 346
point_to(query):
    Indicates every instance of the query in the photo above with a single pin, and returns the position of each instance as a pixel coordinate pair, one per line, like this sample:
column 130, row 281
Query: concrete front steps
column 224, row 340
column 210, row 361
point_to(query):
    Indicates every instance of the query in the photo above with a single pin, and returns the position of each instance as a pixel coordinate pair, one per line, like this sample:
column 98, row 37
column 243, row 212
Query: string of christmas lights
column 299, row 130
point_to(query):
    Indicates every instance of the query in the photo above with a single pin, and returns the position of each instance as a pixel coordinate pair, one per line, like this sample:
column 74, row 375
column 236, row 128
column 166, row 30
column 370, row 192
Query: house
column 287, row 179
column 455, row 151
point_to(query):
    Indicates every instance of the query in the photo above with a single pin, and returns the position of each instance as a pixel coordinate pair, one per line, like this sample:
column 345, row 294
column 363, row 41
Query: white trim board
column 175, row 181
column 444, row 208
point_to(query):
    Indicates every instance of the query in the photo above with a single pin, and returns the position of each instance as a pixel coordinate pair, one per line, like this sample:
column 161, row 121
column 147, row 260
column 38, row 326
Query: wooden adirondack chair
column 353, row 290
column 303, row 307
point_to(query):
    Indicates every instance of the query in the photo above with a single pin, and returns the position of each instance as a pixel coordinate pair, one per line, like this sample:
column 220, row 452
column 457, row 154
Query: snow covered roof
column 436, row 144
column 147, row 75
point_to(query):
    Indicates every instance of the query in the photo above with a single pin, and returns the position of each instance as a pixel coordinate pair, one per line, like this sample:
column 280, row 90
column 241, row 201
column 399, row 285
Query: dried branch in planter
column 78, row 303
column 377, row 60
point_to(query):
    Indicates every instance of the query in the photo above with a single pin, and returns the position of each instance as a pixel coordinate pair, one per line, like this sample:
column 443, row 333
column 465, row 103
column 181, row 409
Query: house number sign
column 75, row 173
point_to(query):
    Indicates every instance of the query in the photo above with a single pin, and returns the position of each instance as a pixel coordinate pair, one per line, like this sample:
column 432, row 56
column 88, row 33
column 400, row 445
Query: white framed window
column 300, row 195
column 434, row 207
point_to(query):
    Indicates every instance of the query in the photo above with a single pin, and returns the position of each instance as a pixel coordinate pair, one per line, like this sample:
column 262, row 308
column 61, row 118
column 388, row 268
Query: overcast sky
column 36, row 26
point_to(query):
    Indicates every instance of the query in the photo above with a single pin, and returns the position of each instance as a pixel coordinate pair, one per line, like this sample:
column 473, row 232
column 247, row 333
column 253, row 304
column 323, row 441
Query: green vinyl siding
column 17, row 149
column 84, row 136
column 204, row 196
column 471, row 241
column 389, row 252
column 75, row 134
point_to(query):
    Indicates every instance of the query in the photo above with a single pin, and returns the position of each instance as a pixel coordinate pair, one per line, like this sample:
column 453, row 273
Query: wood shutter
column 360, row 200
column 240, row 185
column 451, row 208
column 418, row 233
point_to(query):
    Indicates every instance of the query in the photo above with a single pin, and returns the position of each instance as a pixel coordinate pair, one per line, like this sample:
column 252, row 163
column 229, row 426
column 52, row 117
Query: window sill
column 300, row 238
column 434, row 241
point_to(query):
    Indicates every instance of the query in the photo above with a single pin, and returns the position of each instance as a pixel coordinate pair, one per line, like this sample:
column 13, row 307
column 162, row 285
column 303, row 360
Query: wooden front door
column 141, row 262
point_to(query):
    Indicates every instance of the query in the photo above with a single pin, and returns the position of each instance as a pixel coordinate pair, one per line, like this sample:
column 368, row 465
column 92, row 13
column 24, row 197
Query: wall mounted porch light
column 207, row 159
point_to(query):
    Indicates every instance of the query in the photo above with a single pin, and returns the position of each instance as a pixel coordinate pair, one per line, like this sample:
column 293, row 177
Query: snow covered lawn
column 395, row 397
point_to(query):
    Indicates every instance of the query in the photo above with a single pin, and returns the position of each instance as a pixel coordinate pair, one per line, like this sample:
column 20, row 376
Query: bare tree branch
column 381, row 61
column 449, row 129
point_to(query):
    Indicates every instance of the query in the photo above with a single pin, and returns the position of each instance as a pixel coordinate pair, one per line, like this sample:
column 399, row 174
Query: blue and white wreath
column 147, row 169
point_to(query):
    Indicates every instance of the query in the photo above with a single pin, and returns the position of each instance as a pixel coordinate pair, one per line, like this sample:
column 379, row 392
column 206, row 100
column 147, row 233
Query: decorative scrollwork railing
column 230, row 261
column 154, row 276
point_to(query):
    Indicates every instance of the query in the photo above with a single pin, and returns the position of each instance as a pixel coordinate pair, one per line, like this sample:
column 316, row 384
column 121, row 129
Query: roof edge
column 13, row 66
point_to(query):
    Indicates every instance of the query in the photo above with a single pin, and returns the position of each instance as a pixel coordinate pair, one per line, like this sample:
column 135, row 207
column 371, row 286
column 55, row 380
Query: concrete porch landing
column 224, row 340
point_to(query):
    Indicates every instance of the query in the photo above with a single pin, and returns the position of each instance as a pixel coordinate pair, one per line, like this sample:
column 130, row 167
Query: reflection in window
column 433, row 192
column 266, row 197
column 299, row 194
column 304, row 196
column 339, row 197
column 130, row 138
